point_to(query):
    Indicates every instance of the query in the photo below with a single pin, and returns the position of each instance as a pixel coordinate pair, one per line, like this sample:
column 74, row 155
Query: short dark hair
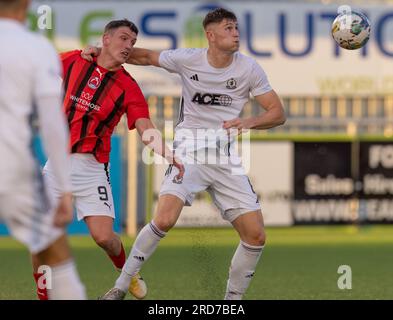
column 217, row 15
column 114, row 24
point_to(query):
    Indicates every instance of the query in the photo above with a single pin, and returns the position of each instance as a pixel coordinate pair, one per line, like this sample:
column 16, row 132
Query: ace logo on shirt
column 212, row 99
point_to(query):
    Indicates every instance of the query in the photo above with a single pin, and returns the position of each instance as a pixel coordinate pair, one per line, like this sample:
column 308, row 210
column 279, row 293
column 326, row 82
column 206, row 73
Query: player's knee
column 164, row 223
column 256, row 238
column 103, row 240
column 261, row 239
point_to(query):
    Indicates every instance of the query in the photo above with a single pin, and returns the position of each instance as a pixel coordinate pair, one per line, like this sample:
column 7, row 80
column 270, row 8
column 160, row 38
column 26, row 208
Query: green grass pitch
column 298, row 263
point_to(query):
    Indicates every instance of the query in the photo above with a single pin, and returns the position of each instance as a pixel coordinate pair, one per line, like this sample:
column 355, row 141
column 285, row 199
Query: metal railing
column 326, row 114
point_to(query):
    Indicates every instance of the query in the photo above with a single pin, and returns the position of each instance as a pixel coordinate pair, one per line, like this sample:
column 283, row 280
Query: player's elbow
column 281, row 118
column 143, row 124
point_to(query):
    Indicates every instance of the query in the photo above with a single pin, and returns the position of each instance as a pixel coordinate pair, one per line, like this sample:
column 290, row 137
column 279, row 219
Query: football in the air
column 351, row 30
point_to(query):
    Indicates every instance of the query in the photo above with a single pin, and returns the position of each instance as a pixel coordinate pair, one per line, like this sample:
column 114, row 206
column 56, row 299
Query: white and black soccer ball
column 351, row 30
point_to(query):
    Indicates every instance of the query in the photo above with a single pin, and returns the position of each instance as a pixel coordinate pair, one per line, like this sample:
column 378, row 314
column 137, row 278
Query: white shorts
column 91, row 189
column 232, row 194
column 28, row 213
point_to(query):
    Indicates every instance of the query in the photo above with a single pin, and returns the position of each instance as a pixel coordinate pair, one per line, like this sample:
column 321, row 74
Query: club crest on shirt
column 94, row 82
column 177, row 180
column 231, row 84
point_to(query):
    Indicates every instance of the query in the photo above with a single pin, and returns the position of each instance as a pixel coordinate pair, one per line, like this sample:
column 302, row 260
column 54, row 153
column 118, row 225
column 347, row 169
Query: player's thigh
column 29, row 217
column 100, row 227
column 57, row 252
column 91, row 188
column 196, row 178
column 233, row 194
column 175, row 194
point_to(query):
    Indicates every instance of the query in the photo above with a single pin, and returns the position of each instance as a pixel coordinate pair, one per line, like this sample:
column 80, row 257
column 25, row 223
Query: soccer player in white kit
column 30, row 90
column 216, row 82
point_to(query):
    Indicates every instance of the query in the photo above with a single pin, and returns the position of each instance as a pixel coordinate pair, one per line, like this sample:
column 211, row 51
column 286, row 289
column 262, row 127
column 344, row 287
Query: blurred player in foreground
column 97, row 94
column 217, row 82
column 30, row 92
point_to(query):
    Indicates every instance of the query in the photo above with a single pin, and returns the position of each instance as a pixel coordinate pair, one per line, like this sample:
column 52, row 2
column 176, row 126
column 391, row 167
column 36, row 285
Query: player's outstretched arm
column 144, row 57
column 138, row 56
column 272, row 117
column 152, row 138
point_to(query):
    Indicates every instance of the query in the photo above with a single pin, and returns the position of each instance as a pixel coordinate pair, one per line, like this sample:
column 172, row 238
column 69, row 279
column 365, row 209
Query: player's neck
column 17, row 16
column 219, row 59
column 106, row 61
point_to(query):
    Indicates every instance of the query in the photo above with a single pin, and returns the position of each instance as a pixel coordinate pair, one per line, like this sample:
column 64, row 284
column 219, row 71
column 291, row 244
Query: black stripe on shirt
column 109, row 118
column 82, row 85
column 67, row 78
column 181, row 112
column 96, row 97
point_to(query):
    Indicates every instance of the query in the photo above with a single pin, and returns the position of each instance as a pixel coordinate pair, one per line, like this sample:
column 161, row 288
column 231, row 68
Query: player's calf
column 114, row 249
column 144, row 246
column 242, row 270
column 120, row 259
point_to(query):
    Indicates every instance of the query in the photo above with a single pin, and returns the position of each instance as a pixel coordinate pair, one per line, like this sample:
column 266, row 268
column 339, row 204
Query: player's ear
column 105, row 39
column 209, row 34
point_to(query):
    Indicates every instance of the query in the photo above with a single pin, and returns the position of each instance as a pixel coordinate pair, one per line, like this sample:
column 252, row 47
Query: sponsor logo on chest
column 214, row 99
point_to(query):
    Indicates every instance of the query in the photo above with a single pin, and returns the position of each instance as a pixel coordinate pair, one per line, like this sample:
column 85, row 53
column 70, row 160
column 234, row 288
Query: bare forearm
column 158, row 146
column 142, row 57
column 152, row 138
column 269, row 119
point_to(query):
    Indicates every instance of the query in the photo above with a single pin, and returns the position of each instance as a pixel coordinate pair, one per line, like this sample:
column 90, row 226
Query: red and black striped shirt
column 94, row 101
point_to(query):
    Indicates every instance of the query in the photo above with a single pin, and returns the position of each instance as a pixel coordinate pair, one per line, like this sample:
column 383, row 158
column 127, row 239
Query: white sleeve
column 48, row 73
column 173, row 60
column 52, row 122
column 259, row 84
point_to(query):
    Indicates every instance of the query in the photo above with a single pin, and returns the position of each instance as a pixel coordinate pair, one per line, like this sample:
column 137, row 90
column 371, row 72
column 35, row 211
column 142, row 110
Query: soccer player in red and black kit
column 96, row 95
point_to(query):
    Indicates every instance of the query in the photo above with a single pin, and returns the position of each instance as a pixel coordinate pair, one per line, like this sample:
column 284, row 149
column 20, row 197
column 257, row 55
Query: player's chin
column 235, row 47
column 121, row 59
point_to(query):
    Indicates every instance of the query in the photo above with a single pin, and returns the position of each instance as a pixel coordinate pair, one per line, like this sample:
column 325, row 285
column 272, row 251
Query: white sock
column 145, row 244
column 66, row 284
column 242, row 270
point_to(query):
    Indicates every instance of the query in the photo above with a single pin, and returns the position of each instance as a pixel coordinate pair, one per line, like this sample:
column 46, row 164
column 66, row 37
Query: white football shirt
column 29, row 71
column 211, row 95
